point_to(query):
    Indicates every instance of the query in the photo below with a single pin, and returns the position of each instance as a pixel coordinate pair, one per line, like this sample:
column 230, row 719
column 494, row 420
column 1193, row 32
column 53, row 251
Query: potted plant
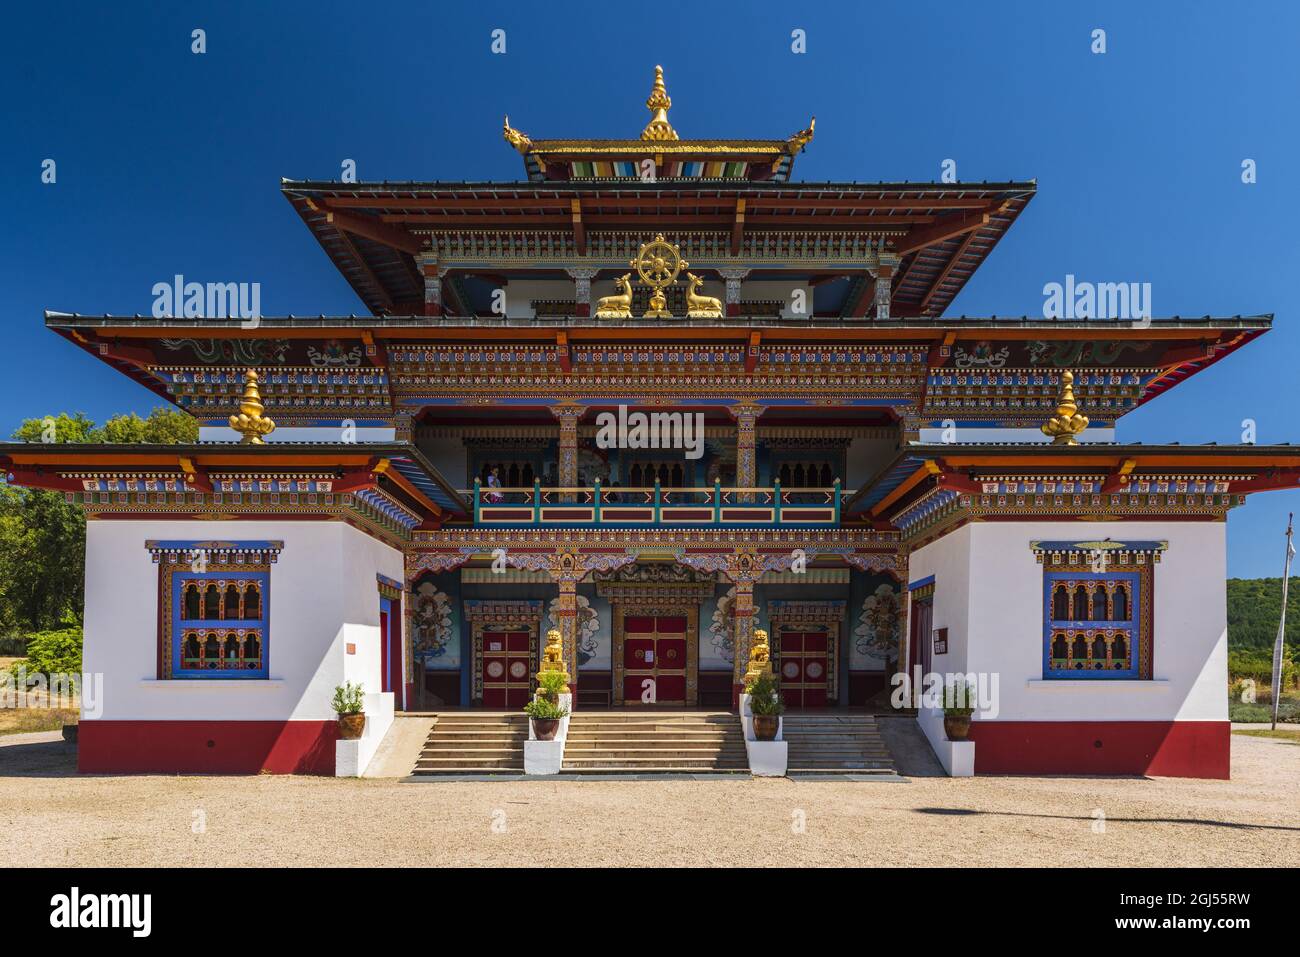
column 766, row 706
column 349, row 704
column 552, row 684
column 545, row 716
column 957, row 711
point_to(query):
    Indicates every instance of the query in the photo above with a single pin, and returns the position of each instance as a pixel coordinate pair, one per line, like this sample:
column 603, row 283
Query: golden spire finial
column 251, row 423
column 658, row 103
column 515, row 138
column 1067, row 423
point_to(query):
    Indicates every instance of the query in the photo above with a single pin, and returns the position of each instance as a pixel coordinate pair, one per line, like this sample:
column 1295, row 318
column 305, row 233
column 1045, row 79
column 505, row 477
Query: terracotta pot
column 545, row 728
column 351, row 726
column 957, row 728
column 765, row 726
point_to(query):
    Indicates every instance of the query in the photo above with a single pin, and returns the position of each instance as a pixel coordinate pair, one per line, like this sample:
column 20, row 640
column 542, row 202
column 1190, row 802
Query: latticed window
column 1093, row 626
column 219, row 624
column 215, row 608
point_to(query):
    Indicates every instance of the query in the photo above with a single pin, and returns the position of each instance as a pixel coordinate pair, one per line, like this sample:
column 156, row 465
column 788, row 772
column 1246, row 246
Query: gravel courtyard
column 51, row 816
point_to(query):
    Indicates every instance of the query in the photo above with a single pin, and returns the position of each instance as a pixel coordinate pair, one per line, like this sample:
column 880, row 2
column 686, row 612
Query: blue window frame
column 1092, row 624
column 219, row 624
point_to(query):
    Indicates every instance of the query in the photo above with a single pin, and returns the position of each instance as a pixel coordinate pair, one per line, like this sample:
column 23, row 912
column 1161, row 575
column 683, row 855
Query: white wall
column 989, row 594
column 322, row 594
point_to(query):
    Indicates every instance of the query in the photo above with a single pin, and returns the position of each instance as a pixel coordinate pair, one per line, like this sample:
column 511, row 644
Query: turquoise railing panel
column 715, row 506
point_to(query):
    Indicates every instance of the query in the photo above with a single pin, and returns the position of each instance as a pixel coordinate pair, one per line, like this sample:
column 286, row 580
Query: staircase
column 835, row 743
column 654, row 743
column 474, row 742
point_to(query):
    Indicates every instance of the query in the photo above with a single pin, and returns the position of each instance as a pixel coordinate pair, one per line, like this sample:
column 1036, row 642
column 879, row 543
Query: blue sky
column 169, row 162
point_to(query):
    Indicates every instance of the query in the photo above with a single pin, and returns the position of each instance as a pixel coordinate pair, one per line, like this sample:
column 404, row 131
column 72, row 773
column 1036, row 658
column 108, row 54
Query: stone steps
column 648, row 743
column 848, row 743
column 474, row 743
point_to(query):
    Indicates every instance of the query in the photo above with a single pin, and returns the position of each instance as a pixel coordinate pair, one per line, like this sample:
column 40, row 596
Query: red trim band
column 206, row 747
column 1180, row 749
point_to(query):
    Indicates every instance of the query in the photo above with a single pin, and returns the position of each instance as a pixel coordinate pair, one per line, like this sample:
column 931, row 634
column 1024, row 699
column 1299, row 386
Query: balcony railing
column 655, row 507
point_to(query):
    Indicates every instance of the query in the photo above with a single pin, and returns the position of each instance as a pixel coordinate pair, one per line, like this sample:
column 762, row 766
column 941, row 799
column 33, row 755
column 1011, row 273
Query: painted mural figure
column 433, row 629
column 876, row 635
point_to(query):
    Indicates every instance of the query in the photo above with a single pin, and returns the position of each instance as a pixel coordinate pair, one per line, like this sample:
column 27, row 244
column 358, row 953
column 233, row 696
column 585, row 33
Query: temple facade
column 657, row 394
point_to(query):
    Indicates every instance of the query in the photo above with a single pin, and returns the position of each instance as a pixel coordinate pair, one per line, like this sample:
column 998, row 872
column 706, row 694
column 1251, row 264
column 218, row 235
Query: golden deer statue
column 620, row 306
column 701, row 307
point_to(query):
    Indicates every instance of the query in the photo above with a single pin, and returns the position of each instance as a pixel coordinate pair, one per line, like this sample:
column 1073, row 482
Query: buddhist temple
column 656, row 394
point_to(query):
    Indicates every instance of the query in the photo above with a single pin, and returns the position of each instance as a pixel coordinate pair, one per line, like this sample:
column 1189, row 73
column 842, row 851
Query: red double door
column 654, row 659
column 507, row 669
column 805, row 668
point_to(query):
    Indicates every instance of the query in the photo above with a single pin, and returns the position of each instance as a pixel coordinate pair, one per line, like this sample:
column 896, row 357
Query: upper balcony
column 657, row 507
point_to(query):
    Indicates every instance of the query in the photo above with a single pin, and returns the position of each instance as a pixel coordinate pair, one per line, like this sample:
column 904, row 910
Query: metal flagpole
column 1281, row 626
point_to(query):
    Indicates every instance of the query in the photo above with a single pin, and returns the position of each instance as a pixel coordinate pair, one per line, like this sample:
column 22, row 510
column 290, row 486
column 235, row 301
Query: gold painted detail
column 250, row 422
column 519, row 140
column 553, row 655
column 1067, row 423
column 760, row 658
column 620, row 306
column 658, row 263
column 701, row 307
column 798, row 141
column 659, row 103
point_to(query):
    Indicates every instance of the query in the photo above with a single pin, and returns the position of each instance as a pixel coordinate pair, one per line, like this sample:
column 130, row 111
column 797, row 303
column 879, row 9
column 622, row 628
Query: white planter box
column 547, row 757
column 957, row 757
column 767, row 759
column 351, row 758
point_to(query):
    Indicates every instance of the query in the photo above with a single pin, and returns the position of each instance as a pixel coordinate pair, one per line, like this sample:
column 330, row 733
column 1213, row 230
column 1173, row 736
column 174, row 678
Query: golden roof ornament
column 1067, row 423
column 801, row 139
column 659, row 103
column 515, row 138
column 658, row 263
column 250, row 422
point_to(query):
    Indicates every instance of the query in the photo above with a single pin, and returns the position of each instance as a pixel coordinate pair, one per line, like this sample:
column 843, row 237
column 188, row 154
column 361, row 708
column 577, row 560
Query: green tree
column 42, row 560
column 43, row 536
column 163, row 427
column 57, row 428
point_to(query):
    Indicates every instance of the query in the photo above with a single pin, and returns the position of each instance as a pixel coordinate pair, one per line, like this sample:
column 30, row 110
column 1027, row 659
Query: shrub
column 349, row 698
column 542, row 708
column 52, row 652
column 551, row 684
column 955, row 705
column 763, row 699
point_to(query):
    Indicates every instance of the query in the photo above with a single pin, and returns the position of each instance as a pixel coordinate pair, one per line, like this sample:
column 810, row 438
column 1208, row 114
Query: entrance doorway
column 655, row 659
column 507, row 669
column 390, row 650
column 805, row 668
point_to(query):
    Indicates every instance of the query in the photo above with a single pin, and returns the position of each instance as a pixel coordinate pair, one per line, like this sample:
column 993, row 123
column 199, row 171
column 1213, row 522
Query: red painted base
column 207, row 747
column 1179, row 749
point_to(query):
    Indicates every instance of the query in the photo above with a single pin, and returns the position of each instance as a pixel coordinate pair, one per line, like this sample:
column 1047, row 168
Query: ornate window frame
column 1104, row 569
column 244, row 566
